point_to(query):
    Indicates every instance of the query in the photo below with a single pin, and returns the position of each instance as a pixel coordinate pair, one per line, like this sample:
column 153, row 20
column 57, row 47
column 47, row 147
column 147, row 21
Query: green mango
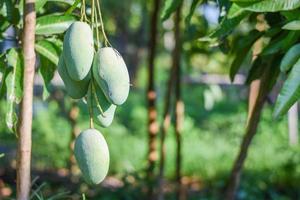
column 78, row 50
column 75, row 89
column 110, row 72
column 103, row 119
column 92, row 156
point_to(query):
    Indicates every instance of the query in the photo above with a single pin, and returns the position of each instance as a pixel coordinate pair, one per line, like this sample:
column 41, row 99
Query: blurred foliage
column 210, row 143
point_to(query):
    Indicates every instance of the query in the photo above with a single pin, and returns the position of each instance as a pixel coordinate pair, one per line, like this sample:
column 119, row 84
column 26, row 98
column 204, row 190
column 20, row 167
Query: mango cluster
column 102, row 77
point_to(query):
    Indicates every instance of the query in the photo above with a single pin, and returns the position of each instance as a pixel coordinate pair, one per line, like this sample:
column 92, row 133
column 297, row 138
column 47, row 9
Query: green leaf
column 192, row 10
column 49, row 50
column 40, row 4
column 269, row 5
column 14, row 86
column 1, row 155
column 291, row 14
column 2, row 84
column 290, row 91
column 170, row 7
column 73, row 7
column 12, row 13
column 53, row 24
column 293, row 25
column 15, row 79
column 70, row 2
column 8, row 6
column 290, row 58
column 47, row 70
column 282, row 43
column 256, row 70
column 229, row 22
column 246, row 1
column 242, row 49
column 4, row 24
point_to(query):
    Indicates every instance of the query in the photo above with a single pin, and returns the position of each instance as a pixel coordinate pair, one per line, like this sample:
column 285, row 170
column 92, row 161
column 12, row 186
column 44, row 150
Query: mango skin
column 75, row 89
column 78, row 50
column 110, row 72
column 108, row 108
column 92, row 156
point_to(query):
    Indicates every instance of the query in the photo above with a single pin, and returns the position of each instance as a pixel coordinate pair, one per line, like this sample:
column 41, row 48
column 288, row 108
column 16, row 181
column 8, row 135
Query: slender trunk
column 293, row 124
column 255, row 110
column 174, row 76
column 164, row 129
column 179, row 106
column 25, row 123
column 253, row 94
column 151, row 97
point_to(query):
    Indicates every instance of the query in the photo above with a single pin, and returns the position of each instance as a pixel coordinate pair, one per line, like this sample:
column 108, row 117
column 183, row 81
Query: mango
column 75, row 89
column 103, row 119
column 78, row 50
column 110, row 72
column 92, row 156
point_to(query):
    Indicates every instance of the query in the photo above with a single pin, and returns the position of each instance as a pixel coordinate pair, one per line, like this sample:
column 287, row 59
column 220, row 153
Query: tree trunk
column 25, row 123
column 151, row 97
column 179, row 106
column 164, row 129
column 173, row 77
column 255, row 109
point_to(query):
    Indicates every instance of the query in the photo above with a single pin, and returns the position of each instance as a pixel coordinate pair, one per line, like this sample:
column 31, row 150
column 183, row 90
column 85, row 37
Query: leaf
column 12, row 13
column 14, row 86
column 269, row 5
column 47, row 70
column 290, row 58
column 40, row 4
column 229, row 22
column 192, row 10
column 49, row 50
column 262, row 65
column 15, row 79
column 73, row 7
column 281, row 43
column 247, row 1
column 293, row 25
column 2, row 84
column 70, row 2
column 256, row 70
column 291, row 14
column 170, row 7
column 290, row 91
column 243, row 47
column 8, row 6
column 4, row 24
column 53, row 24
